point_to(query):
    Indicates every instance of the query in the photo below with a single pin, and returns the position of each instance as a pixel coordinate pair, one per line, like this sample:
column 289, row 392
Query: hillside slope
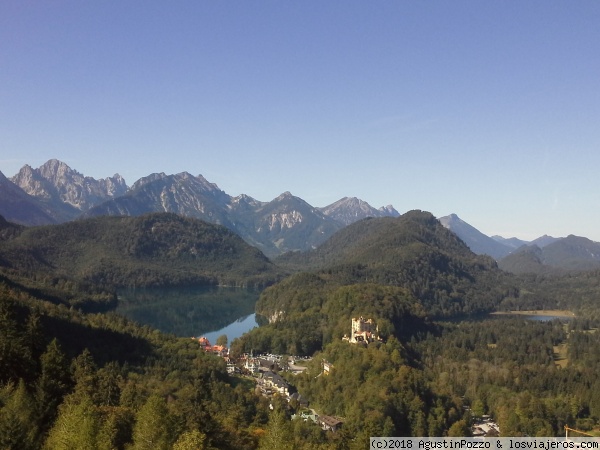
column 396, row 270
column 75, row 380
column 284, row 224
column 478, row 242
column 155, row 249
column 19, row 207
column 573, row 253
column 413, row 251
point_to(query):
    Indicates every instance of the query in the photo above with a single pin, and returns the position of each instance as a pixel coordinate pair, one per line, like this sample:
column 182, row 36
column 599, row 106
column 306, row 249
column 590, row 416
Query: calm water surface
column 547, row 318
column 192, row 311
column 233, row 330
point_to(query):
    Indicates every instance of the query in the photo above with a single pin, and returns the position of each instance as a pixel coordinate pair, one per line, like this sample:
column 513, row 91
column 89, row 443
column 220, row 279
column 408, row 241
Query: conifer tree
column 152, row 429
column 76, row 427
column 52, row 384
column 191, row 440
column 108, row 381
column 18, row 428
column 278, row 433
column 84, row 371
column 14, row 356
column 116, row 428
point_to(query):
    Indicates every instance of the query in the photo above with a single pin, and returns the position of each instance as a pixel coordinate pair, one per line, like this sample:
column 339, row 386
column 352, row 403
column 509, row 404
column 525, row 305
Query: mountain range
column 55, row 193
column 545, row 254
column 572, row 253
column 478, row 242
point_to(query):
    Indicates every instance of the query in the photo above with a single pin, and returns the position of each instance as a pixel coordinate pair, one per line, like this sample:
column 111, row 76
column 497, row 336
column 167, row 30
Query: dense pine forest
column 72, row 380
column 74, row 374
column 151, row 250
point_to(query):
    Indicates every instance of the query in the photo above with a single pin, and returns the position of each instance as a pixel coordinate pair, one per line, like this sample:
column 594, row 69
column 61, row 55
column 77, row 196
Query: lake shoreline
column 539, row 312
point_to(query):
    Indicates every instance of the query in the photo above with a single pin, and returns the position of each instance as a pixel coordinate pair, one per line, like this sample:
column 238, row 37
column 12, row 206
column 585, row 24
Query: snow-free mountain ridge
column 55, row 193
column 58, row 184
column 545, row 254
column 351, row 209
column 477, row 241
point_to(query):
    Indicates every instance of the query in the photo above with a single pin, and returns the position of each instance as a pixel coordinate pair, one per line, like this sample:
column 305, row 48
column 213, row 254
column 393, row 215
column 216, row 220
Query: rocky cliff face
column 182, row 193
column 57, row 182
column 351, row 209
column 291, row 224
column 389, row 210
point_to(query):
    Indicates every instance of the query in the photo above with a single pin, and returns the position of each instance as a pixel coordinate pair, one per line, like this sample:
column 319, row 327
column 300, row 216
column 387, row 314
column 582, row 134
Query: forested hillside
column 575, row 291
column 72, row 381
column 532, row 377
column 570, row 254
column 428, row 375
column 413, row 251
column 152, row 250
column 395, row 270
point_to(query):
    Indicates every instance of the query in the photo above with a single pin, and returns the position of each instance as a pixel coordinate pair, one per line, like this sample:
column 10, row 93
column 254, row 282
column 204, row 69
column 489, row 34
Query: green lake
column 192, row 311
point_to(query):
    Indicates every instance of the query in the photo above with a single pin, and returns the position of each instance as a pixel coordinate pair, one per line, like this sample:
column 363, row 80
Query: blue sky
column 490, row 110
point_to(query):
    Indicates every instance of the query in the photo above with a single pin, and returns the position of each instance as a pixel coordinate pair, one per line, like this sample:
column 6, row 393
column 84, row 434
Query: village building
column 327, row 367
column 271, row 382
column 329, row 423
column 268, row 364
column 485, row 427
column 204, row 344
column 220, row 350
column 252, row 364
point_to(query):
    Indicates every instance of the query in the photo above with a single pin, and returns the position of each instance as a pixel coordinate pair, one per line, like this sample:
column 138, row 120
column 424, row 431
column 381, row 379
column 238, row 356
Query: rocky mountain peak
column 55, row 171
column 288, row 203
column 57, row 182
column 242, row 198
column 478, row 242
column 450, row 219
column 18, row 207
column 31, row 181
column 285, row 196
column 348, row 210
column 207, row 184
column 246, row 200
column 545, row 240
column 149, row 179
column 390, row 211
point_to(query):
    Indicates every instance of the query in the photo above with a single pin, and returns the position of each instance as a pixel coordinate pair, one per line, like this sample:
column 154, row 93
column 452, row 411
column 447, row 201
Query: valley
column 298, row 226
column 96, row 316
